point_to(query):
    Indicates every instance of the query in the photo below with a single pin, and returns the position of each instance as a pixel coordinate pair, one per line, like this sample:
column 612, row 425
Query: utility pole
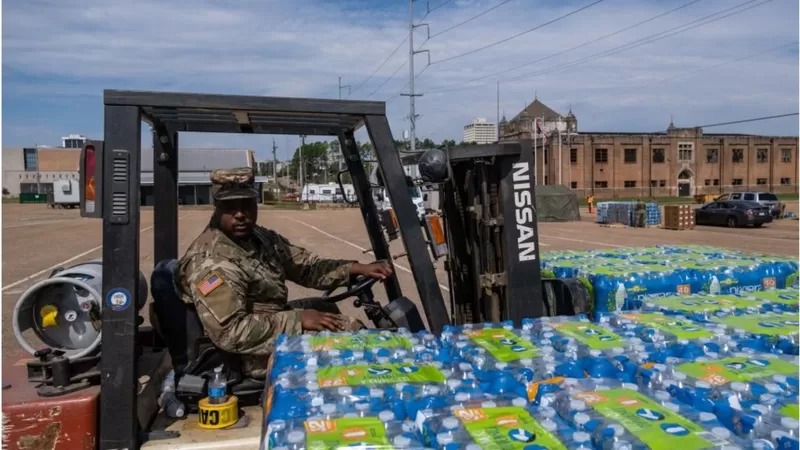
column 497, row 122
column 275, row 165
column 302, row 175
column 342, row 87
column 412, row 115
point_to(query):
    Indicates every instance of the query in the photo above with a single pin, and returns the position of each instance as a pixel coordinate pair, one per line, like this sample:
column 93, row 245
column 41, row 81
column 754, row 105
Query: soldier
column 235, row 272
column 641, row 214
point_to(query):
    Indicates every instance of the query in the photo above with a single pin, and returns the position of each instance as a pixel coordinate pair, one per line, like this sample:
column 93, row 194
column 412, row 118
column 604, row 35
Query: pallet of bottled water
column 634, row 380
column 624, row 279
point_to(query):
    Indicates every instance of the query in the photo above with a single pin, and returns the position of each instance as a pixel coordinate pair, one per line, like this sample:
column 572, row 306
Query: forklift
column 107, row 398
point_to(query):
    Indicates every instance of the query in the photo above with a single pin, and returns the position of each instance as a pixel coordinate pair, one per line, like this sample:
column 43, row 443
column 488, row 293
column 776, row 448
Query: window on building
column 546, row 156
column 601, row 184
column 761, row 181
column 786, row 155
column 601, row 155
column 630, row 155
column 708, row 182
column 762, row 155
column 737, row 155
column 630, row 184
column 658, row 155
column 573, row 185
column 30, row 159
column 573, row 156
column 712, row 155
column 715, row 182
column 786, row 181
column 685, row 150
column 736, row 182
column 653, row 183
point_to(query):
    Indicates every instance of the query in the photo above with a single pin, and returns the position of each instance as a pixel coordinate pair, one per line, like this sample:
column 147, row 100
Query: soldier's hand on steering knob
column 380, row 270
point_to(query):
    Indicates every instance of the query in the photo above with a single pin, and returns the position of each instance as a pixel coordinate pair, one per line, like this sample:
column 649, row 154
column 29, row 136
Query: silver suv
column 767, row 199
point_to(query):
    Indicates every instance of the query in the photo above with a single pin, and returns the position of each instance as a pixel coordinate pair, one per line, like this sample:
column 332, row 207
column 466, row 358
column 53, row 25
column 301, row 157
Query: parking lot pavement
column 37, row 239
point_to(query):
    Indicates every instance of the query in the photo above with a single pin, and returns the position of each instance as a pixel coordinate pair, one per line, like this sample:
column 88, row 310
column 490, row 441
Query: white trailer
column 326, row 193
column 66, row 194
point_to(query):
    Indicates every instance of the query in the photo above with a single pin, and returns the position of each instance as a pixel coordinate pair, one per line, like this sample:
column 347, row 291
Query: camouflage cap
column 232, row 184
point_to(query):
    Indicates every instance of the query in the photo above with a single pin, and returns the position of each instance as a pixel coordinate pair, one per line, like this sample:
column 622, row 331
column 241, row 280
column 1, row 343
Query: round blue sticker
column 118, row 299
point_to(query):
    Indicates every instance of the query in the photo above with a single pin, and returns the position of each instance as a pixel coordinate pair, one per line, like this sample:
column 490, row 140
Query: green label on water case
column 767, row 323
column 502, row 344
column 593, row 336
column 655, row 425
column 681, row 329
column 372, row 374
column 510, row 428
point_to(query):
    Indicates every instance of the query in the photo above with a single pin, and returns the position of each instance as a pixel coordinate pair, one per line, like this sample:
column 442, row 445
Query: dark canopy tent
column 556, row 203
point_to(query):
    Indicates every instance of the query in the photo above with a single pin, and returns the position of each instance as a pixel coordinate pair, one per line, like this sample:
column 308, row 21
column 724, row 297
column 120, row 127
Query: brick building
column 677, row 162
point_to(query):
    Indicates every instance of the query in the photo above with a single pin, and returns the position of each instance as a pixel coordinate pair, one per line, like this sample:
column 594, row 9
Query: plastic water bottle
column 173, row 407
column 217, row 387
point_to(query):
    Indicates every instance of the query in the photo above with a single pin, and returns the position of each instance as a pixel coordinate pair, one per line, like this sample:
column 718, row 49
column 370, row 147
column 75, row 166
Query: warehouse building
column 33, row 170
column 676, row 162
column 194, row 172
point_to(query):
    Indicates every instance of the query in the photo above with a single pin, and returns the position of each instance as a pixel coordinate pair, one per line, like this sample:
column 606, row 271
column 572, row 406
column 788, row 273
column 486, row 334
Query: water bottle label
column 678, row 328
column 358, row 342
column 785, row 297
column 593, row 336
column 216, row 392
column 504, row 345
column 364, row 432
column 506, row 427
column 791, row 410
column 655, row 425
column 742, row 369
column 373, row 374
column 771, row 324
column 705, row 303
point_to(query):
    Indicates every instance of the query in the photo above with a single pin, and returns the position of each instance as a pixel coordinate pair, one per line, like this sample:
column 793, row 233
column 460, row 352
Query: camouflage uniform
column 641, row 214
column 239, row 289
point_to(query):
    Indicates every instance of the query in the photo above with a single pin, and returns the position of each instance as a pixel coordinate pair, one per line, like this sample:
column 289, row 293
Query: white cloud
column 60, row 51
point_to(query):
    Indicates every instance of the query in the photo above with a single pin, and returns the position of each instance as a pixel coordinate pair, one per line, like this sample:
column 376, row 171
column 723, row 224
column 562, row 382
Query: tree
column 449, row 143
column 315, row 162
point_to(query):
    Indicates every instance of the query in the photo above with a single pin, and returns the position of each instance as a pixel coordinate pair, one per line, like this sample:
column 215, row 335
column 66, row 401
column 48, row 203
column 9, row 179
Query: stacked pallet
column 619, row 212
column 678, row 217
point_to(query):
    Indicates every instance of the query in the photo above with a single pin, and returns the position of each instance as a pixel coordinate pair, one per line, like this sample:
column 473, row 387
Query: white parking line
column 399, row 266
column 66, row 261
column 584, row 241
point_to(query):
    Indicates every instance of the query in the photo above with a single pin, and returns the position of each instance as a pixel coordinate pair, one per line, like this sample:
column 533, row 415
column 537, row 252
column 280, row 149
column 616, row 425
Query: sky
column 620, row 65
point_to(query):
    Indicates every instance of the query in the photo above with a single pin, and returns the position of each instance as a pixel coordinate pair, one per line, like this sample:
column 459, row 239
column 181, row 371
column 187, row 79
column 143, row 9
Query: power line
column 471, row 18
column 577, row 46
column 683, row 74
column 382, row 64
column 397, row 94
column 628, row 46
column 445, row 2
column 749, row 120
column 752, row 55
column 646, row 40
column 519, row 34
column 388, row 79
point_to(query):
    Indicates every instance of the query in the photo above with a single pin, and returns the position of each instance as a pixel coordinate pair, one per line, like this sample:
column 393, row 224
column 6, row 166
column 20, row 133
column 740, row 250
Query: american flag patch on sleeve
column 209, row 283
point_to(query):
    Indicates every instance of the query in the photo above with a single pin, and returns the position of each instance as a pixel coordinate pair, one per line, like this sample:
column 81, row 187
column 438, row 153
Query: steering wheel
column 359, row 286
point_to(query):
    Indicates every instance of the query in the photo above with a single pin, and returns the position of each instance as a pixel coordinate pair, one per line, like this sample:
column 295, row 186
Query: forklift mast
column 111, row 168
column 494, row 264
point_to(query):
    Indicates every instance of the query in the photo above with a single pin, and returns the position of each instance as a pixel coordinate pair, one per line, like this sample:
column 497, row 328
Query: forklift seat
column 193, row 355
